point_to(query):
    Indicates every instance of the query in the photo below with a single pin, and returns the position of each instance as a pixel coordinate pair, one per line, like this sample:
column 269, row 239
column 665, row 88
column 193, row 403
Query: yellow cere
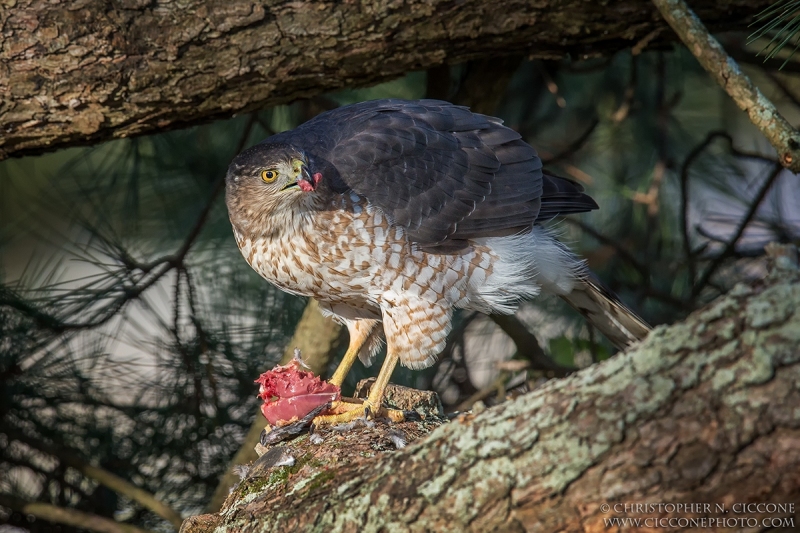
column 297, row 166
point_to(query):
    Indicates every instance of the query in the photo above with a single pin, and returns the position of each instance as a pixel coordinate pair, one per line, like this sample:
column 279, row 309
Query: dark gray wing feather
column 445, row 174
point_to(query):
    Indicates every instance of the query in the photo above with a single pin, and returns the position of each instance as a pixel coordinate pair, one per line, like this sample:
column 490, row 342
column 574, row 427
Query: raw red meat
column 290, row 393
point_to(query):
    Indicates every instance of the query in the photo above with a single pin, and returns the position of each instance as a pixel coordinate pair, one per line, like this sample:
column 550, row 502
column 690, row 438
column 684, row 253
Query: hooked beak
column 305, row 181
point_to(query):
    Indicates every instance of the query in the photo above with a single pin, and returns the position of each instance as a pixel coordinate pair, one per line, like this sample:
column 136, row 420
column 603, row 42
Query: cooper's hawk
column 399, row 212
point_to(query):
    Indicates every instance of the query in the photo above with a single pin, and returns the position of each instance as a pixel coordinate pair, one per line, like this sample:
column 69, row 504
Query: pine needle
column 780, row 22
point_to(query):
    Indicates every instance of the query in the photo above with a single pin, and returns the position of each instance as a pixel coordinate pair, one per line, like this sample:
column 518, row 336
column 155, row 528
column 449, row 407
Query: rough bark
column 86, row 71
column 701, row 411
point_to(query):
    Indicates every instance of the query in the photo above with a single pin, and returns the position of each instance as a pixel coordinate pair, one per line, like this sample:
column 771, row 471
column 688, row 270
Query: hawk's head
column 267, row 178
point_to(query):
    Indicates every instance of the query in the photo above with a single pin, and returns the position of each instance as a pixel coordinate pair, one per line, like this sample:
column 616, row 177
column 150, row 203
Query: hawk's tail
column 606, row 312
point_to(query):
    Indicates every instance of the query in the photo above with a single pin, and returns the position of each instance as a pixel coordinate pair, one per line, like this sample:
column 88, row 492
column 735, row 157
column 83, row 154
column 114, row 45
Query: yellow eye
column 269, row 175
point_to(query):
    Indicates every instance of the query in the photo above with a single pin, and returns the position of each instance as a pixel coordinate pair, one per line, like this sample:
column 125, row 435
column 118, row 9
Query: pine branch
column 528, row 346
column 645, row 284
column 150, row 272
column 70, row 517
column 712, row 56
column 104, row 477
column 748, row 217
column 693, row 155
column 783, row 19
column 573, row 146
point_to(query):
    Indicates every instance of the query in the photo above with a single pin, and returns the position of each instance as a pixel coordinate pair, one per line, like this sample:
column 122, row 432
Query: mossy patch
column 252, row 486
column 321, row 479
column 279, row 476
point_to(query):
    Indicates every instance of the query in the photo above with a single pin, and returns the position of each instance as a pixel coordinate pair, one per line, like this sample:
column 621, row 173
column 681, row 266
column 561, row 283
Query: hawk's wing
column 442, row 172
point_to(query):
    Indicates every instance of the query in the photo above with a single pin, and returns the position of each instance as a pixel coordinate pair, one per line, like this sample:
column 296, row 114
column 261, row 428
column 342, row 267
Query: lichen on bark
column 701, row 411
column 85, row 71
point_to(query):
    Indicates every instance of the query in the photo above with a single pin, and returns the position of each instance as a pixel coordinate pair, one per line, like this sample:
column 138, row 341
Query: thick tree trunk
column 86, row 71
column 705, row 411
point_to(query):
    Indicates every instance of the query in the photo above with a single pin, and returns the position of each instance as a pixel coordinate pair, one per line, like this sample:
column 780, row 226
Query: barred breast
column 352, row 254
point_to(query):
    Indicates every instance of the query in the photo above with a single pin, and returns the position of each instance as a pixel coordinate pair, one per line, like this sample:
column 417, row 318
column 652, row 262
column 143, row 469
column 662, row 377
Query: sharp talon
column 367, row 411
column 412, row 416
column 263, row 438
column 312, row 428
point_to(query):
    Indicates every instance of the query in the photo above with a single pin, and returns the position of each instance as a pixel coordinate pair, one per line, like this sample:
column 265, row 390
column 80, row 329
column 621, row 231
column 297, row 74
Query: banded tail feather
column 607, row 313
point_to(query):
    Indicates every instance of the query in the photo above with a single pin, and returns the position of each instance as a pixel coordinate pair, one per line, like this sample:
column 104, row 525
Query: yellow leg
column 372, row 403
column 359, row 333
column 375, row 398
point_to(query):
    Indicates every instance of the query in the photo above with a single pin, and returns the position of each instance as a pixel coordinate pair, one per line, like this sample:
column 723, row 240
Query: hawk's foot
column 344, row 412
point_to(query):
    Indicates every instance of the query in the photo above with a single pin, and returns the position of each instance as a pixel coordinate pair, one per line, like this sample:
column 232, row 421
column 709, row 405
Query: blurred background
column 131, row 329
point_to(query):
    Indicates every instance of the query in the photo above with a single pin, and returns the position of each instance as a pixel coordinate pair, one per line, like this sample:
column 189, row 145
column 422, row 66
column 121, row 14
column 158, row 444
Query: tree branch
column 574, row 146
column 528, row 346
column 712, row 56
column 698, row 412
column 748, row 217
column 70, row 517
column 104, row 477
column 85, row 72
column 148, row 273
